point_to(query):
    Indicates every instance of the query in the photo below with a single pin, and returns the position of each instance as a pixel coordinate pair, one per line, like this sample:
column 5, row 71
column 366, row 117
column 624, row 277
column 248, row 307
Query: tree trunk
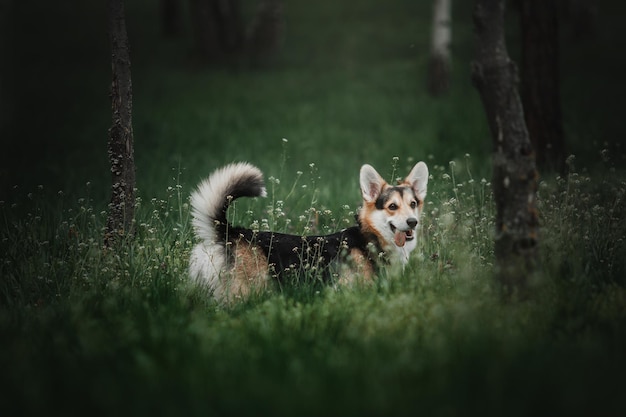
column 582, row 16
column 266, row 33
column 439, row 64
column 540, row 82
column 514, row 173
column 204, row 30
column 231, row 28
column 217, row 29
column 170, row 18
column 121, row 153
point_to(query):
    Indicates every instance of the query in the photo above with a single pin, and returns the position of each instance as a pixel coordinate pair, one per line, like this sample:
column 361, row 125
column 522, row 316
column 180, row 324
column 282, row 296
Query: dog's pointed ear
column 418, row 179
column 371, row 183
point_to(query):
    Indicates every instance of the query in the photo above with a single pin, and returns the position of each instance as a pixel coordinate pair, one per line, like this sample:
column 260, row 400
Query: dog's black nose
column 412, row 222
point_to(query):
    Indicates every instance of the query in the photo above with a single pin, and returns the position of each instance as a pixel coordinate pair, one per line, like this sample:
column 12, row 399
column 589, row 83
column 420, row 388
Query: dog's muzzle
column 400, row 237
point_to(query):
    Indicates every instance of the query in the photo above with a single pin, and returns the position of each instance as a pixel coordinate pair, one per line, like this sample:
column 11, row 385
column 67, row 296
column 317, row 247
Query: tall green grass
column 90, row 330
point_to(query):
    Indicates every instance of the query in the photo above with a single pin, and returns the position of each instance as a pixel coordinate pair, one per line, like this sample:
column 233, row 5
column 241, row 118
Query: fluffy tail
column 210, row 201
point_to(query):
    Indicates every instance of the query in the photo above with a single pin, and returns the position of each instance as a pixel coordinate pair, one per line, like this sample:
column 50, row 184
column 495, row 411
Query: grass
column 87, row 330
column 90, row 331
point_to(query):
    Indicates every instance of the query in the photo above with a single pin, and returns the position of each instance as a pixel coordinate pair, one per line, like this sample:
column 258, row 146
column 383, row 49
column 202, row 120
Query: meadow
column 85, row 330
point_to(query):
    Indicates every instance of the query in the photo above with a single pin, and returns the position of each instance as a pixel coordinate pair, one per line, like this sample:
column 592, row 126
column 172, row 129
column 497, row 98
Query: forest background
column 85, row 330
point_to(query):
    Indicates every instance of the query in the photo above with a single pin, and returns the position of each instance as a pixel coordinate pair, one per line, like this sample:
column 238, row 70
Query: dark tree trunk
column 204, row 30
column 266, row 33
column 217, row 29
column 514, row 173
column 121, row 153
column 231, row 27
column 582, row 16
column 540, row 82
column 170, row 18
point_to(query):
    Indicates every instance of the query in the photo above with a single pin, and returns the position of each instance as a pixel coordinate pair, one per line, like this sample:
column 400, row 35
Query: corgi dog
column 235, row 262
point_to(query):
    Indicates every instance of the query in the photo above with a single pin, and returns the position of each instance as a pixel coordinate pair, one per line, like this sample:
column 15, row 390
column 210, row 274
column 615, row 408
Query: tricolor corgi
column 234, row 261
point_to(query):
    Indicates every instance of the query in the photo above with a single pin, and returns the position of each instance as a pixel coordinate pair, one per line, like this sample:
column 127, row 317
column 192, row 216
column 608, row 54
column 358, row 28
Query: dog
column 235, row 262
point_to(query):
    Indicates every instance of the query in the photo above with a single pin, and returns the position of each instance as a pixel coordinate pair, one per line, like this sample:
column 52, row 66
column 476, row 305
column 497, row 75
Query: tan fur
column 366, row 222
column 366, row 219
column 358, row 271
column 249, row 273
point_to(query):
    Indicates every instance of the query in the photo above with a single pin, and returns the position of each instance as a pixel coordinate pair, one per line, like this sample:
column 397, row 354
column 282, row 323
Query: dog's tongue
column 400, row 238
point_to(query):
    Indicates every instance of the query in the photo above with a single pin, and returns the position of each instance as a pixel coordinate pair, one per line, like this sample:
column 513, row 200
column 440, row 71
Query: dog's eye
column 393, row 206
column 413, row 204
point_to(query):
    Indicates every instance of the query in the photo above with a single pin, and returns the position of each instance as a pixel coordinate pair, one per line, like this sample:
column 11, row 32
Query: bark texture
column 121, row 152
column 540, row 82
column 514, row 172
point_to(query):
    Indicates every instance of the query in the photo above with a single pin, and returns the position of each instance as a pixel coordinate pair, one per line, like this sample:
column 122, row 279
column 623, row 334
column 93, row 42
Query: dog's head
column 392, row 213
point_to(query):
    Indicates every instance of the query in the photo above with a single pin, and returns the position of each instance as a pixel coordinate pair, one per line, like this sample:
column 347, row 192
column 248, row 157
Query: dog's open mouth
column 400, row 237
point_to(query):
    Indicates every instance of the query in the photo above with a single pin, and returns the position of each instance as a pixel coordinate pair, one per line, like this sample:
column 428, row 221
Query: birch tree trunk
column 121, row 152
column 439, row 64
column 514, row 173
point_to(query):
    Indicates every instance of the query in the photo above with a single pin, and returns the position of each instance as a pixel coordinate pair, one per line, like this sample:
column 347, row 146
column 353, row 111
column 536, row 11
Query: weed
column 423, row 330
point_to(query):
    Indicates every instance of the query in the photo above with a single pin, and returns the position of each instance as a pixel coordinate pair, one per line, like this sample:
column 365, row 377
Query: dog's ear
column 418, row 180
column 371, row 183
